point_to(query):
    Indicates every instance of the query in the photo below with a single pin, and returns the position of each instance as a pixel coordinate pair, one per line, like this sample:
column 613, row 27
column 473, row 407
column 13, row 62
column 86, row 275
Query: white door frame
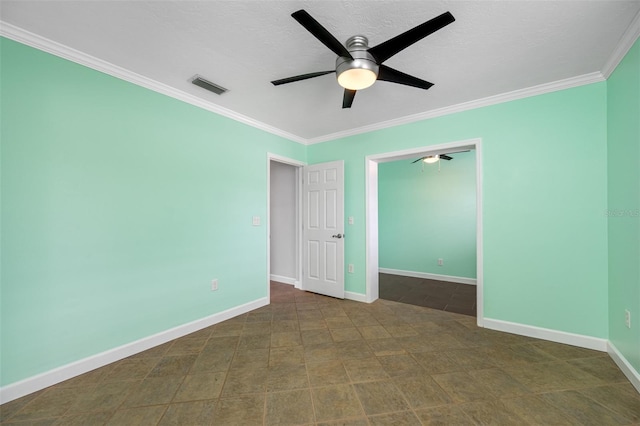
column 371, row 211
column 298, row 225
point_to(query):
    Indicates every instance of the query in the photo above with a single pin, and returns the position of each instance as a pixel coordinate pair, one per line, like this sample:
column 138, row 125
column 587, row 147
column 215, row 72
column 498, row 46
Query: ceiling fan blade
column 300, row 77
column 347, row 99
column 387, row 49
column 321, row 33
column 445, row 157
column 419, row 159
column 386, row 73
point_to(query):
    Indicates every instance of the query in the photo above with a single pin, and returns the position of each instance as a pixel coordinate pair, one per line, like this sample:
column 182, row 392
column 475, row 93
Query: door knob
column 337, row 236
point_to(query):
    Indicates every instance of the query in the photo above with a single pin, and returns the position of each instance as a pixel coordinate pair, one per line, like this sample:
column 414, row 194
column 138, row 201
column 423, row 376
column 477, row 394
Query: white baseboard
column 428, row 276
column 547, row 334
column 624, row 365
column 282, row 279
column 358, row 297
column 60, row 374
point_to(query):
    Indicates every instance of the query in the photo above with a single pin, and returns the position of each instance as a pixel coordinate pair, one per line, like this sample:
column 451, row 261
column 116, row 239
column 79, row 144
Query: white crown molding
column 540, row 89
column 628, row 39
column 60, row 374
column 429, row 276
column 33, row 40
column 41, row 43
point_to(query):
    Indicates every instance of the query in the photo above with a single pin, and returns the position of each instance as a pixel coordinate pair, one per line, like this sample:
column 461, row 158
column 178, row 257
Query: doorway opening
column 372, row 231
column 284, row 218
column 427, row 235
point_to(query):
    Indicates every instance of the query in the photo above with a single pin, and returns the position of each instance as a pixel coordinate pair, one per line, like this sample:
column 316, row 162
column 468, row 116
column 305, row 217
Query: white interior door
column 323, row 228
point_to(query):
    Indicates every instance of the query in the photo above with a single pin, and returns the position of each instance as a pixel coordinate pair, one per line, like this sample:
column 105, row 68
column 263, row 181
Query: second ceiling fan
column 358, row 66
column 434, row 158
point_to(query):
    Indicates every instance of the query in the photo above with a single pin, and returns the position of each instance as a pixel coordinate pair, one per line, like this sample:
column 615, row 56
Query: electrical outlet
column 440, row 262
column 351, row 268
column 214, row 284
column 627, row 318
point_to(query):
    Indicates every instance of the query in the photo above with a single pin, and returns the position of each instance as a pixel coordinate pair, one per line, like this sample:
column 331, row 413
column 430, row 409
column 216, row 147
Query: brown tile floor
column 313, row 360
column 441, row 295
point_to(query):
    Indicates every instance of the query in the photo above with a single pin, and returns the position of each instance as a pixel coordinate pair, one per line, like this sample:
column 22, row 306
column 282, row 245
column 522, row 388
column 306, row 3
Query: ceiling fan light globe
column 361, row 71
column 431, row 159
column 357, row 78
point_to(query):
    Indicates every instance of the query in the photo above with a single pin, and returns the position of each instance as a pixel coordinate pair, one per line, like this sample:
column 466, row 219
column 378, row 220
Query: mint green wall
column 119, row 205
column 426, row 212
column 544, row 193
column 623, row 156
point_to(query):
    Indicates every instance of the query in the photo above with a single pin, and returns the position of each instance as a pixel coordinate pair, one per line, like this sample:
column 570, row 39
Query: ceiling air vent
column 206, row 84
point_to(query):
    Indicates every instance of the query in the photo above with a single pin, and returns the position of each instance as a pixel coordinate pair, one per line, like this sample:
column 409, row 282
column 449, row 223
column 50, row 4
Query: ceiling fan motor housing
column 362, row 59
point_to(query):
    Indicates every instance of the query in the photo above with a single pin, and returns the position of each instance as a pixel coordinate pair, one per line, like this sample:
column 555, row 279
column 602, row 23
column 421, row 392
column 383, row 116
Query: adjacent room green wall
column 427, row 212
column 544, row 192
column 119, row 206
column 623, row 155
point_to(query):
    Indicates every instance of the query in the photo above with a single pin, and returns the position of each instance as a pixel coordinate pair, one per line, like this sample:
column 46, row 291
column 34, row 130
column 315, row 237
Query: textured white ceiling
column 493, row 47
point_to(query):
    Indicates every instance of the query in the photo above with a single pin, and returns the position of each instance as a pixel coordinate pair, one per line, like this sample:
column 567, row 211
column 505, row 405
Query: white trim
column 479, row 237
column 283, row 280
column 41, row 43
column 299, row 230
column 624, row 365
column 567, row 83
column 371, row 212
column 428, row 276
column 358, row 297
column 628, row 39
column 372, row 287
column 411, row 153
column 65, row 372
column 296, row 282
column 36, row 41
column 573, row 339
column 285, row 160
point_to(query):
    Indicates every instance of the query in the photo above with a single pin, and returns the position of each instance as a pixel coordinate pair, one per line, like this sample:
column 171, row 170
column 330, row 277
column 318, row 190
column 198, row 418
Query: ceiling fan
column 434, row 158
column 358, row 66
